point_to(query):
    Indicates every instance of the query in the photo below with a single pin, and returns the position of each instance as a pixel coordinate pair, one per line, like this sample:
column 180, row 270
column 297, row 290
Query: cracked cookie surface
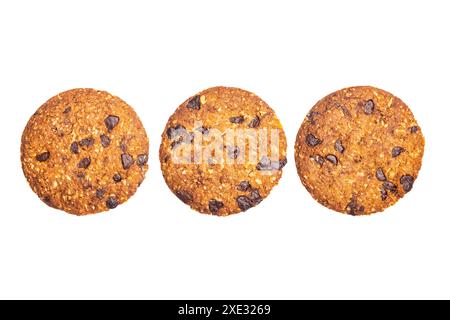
column 84, row 151
column 241, row 176
column 359, row 150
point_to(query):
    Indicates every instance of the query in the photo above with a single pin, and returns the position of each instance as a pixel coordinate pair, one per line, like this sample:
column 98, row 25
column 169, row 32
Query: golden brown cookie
column 84, row 151
column 359, row 150
column 223, row 151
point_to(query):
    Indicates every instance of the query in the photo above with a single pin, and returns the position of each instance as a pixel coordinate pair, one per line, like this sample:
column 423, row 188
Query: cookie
column 84, row 151
column 359, row 150
column 223, row 151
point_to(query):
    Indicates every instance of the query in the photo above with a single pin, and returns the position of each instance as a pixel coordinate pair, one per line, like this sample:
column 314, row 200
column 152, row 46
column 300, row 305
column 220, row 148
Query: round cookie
column 359, row 150
column 214, row 156
column 84, row 151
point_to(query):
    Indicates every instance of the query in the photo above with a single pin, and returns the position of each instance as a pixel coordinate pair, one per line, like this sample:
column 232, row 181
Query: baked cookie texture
column 84, row 151
column 359, row 150
column 230, row 183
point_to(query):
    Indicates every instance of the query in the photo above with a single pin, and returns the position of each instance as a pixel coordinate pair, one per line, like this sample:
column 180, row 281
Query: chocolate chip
column 194, row 103
column 202, row 130
column 407, row 182
column 215, row 205
column 84, row 163
column 380, row 174
column 111, row 121
column 312, row 141
column 233, row 152
column 112, row 203
column 389, row 186
column 396, row 151
column 311, row 116
column 170, row 132
column 261, row 167
column 244, row 186
column 338, row 146
column 384, row 193
column 182, row 137
column 175, row 131
column 255, row 197
column 369, row 107
column 332, row 158
column 105, row 140
column 127, row 161
column 318, row 159
column 278, row 165
column 43, row 156
column 117, row 177
column 414, row 129
column 100, row 193
column 184, row 196
column 353, row 208
column 67, row 110
column 237, row 120
column 176, row 143
column 86, row 142
column 264, row 164
column 254, row 123
column 244, row 203
column 142, row 159
column 74, row 147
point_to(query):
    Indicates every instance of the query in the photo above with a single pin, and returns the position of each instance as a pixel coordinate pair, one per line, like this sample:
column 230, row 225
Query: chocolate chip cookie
column 84, row 151
column 223, row 151
column 359, row 150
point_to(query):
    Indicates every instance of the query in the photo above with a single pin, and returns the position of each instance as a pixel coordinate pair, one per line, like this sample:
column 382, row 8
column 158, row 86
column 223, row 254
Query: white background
column 156, row 54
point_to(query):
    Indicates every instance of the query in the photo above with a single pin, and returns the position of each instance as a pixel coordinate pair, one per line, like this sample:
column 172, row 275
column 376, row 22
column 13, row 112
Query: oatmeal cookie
column 84, row 151
column 359, row 150
column 223, row 151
